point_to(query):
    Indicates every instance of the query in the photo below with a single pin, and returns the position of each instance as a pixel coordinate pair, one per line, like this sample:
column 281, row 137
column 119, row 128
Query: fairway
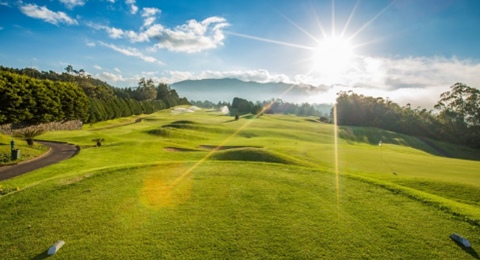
column 203, row 186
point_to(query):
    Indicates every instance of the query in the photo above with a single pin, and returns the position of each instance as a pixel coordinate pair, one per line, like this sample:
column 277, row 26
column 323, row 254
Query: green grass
column 273, row 194
column 26, row 152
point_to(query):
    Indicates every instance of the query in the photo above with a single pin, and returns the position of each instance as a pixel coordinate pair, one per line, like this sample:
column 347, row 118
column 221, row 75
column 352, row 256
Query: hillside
column 203, row 186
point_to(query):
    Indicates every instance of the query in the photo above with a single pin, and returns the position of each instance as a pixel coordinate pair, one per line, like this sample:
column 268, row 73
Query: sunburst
column 331, row 58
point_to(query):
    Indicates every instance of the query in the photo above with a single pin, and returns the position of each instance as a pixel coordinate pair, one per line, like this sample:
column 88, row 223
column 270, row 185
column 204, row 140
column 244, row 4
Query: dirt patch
column 74, row 179
column 214, row 147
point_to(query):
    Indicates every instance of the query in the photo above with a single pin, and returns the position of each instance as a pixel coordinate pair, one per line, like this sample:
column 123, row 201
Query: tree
column 241, row 106
column 145, row 90
column 460, row 114
column 29, row 134
column 163, row 91
column 460, row 105
column 15, row 98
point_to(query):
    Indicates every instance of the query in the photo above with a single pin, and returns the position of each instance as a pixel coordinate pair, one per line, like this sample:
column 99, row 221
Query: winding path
column 58, row 152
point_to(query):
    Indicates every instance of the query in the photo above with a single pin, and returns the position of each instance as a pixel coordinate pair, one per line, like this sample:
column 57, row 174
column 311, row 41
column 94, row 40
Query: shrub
column 29, row 134
column 98, row 141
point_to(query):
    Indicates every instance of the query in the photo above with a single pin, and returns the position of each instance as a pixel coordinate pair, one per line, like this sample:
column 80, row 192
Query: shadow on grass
column 468, row 250
column 373, row 136
column 42, row 255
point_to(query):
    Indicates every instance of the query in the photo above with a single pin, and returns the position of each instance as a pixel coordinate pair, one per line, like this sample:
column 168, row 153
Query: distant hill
column 216, row 90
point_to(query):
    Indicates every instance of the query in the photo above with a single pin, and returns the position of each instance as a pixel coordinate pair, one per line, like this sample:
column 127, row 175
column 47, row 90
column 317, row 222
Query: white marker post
column 461, row 240
column 54, row 249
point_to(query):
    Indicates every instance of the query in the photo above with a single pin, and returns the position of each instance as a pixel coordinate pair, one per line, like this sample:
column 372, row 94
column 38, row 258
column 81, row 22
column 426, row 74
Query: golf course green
column 204, row 186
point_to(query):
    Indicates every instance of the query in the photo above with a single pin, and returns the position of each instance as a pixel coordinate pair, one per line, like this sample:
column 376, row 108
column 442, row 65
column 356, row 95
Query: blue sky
column 407, row 50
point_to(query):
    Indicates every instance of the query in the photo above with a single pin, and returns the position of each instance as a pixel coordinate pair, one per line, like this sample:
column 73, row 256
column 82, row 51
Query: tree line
column 30, row 96
column 455, row 118
column 275, row 106
column 25, row 99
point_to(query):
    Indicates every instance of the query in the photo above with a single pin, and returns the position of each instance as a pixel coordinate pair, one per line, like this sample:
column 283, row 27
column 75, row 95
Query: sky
column 408, row 51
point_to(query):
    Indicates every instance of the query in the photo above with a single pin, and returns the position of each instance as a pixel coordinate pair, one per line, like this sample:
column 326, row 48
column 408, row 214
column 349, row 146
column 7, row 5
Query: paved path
column 57, row 153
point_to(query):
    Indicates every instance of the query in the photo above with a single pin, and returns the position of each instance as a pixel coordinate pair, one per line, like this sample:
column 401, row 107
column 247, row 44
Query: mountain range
column 218, row 90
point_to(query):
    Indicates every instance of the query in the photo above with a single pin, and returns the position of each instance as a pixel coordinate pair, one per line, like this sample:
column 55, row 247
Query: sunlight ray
column 299, row 27
column 333, row 18
column 319, row 23
column 271, row 41
column 350, row 17
column 370, row 21
column 335, row 141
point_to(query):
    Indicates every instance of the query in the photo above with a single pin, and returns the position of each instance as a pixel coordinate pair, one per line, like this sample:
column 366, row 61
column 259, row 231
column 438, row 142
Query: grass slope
column 277, row 197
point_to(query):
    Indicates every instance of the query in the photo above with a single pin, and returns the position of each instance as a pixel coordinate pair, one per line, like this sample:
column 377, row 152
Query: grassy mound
column 255, row 155
column 174, row 134
column 373, row 136
column 188, row 126
column 181, row 124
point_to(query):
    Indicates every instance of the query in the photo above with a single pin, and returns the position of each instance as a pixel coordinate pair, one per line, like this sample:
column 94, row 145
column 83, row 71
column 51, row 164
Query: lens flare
column 335, row 143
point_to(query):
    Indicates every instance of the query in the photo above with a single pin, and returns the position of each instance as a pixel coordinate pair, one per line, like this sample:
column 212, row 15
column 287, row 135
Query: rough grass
column 132, row 198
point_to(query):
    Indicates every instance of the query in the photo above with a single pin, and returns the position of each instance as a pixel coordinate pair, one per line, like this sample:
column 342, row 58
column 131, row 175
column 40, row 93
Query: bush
column 29, row 134
column 98, row 141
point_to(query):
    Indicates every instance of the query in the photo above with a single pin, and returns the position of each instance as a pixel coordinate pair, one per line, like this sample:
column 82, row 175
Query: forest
column 31, row 96
column 274, row 106
column 455, row 118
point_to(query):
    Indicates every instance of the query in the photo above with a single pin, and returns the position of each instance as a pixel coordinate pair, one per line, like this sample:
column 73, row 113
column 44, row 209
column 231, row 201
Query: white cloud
column 133, row 7
column 176, row 76
column 149, row 16
column 395, row 73
column 136, row 37
column 45, row 14
column 111, row 77
column 116, row 33
column 70, row 4
column 148, row 21
column 97, row 67
column 193, row 36
column 113, row 32
column 131, row 52
column 147, row 12
column 415, row 80
column 117, row 70
column 90, row 44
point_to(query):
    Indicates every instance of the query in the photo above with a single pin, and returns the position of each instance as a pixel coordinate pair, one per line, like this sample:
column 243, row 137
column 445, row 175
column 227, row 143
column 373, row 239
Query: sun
column 333, row 55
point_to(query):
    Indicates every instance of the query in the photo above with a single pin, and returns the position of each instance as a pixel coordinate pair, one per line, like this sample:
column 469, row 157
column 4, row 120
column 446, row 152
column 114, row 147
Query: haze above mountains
column 218, row 90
